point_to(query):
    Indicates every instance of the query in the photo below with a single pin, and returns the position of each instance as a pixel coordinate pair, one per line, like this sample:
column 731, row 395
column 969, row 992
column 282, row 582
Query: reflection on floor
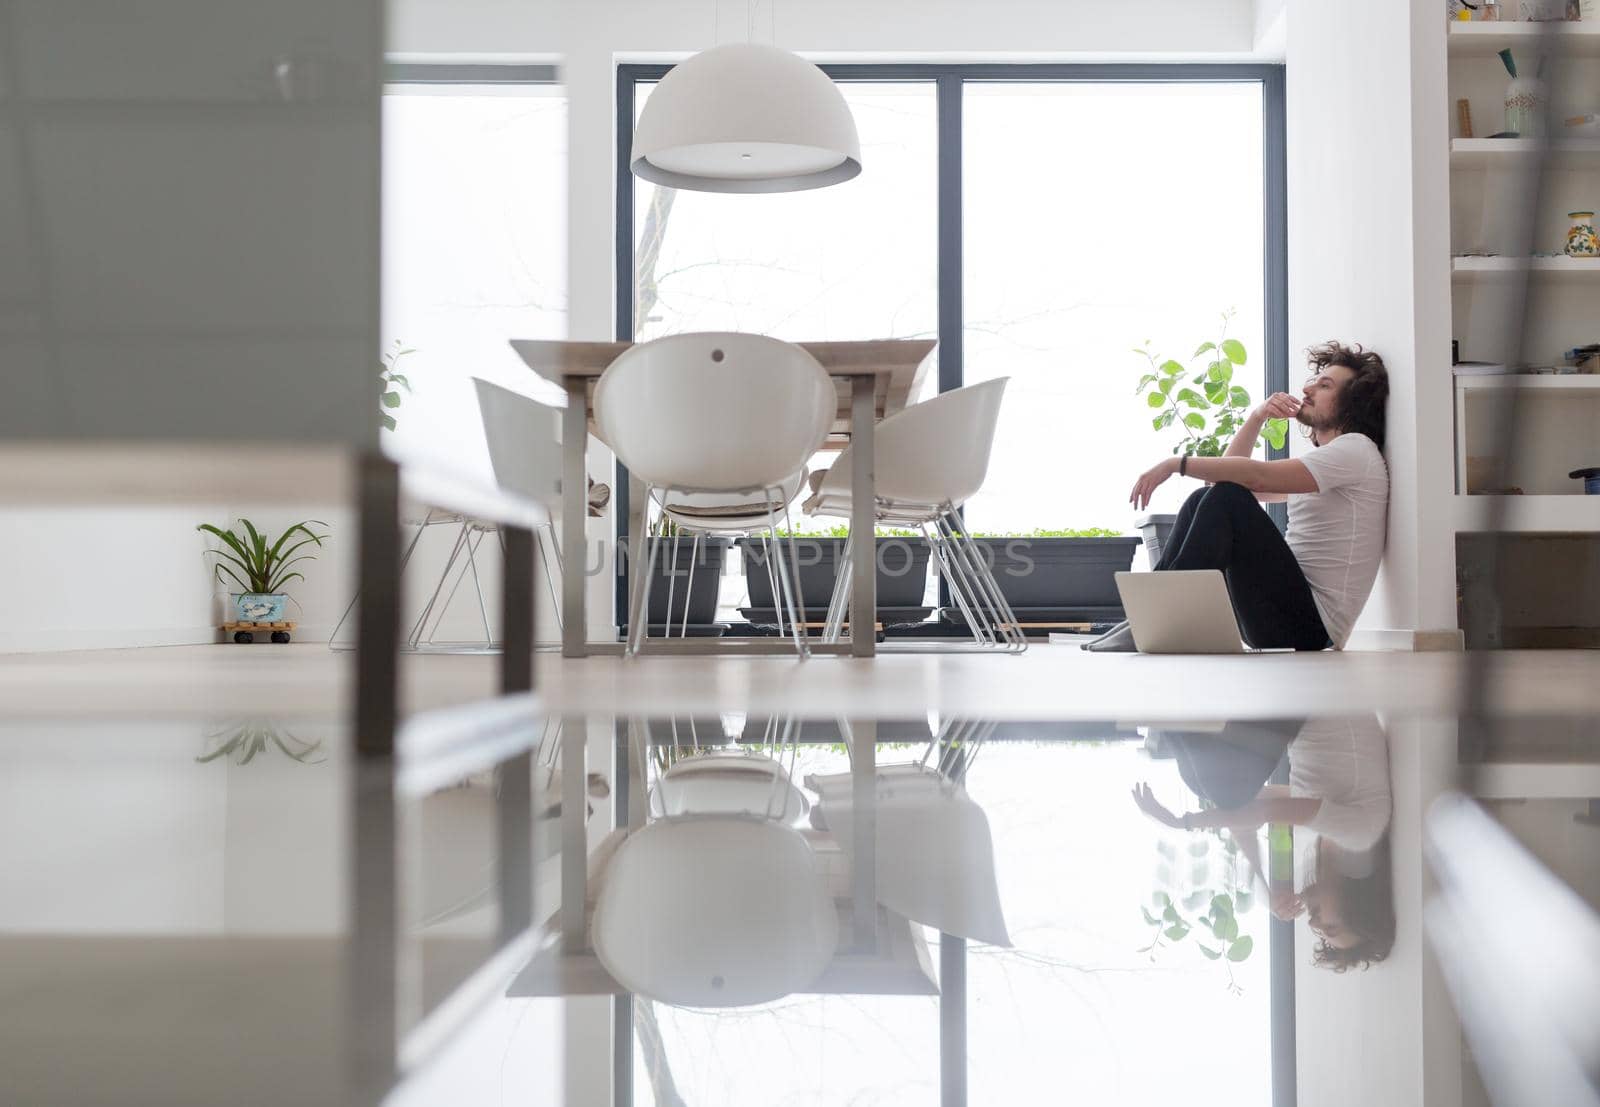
column 744, row 904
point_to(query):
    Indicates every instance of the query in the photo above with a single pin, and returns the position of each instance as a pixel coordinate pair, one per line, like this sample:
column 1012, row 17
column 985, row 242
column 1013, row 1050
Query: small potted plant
column 901, row 557
column 1207, row 407
column 260, row 567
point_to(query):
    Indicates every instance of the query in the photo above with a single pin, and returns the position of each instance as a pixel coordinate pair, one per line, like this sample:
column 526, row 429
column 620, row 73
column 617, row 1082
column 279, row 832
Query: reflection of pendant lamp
column 746, row 118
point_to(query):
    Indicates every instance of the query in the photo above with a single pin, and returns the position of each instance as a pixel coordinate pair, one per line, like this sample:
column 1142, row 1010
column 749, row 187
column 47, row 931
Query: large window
column 474, row 242
column 1098, row 217
column 1042, row 222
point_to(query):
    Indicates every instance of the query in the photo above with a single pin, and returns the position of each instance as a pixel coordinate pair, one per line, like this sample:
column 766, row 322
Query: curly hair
column 1364, row 400
column 1368, row 906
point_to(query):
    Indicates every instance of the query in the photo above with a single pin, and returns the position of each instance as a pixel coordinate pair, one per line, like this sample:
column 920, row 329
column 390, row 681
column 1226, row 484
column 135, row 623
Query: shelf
column 1488, row 39
column 1572, row 514
column 1549, row 382
column 1524, row 153
column 1502, row 267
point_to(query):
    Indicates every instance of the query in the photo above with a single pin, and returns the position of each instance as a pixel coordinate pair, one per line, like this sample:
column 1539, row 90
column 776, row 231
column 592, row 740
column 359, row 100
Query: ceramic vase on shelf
column 1582, row 242
column 1527, row 101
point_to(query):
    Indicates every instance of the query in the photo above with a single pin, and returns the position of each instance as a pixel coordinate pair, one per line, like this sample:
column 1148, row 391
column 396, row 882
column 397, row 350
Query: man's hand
column 1146, row 485
column 1286, row 905
column 1147, row 802
column 1279, row 405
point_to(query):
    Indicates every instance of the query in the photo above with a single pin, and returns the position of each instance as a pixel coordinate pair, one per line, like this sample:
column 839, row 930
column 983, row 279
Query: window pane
column 855, row 260
column 474, row 242
column 1099, row 216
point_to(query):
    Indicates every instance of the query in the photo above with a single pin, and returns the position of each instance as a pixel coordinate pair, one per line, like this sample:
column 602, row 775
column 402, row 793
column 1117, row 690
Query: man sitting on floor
column 1301, row 590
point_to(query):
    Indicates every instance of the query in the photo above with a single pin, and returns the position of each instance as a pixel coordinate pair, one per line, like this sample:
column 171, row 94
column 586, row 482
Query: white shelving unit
column 1519, row 153
column 1542, row 268
column 1493, row 181
column 1488, row 39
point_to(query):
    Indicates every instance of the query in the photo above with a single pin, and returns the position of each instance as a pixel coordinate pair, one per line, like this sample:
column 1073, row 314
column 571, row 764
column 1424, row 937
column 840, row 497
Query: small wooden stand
column 245, row 633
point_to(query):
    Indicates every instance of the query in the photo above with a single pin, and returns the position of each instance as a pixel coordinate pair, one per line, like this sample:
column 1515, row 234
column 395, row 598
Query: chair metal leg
column 798, row 595
column 688, row 587
column 956, row 580
column 772, row 579
column 638, row 625
column 415, row 637
column 786, row 595
column 672, row 584
column 833, row 626
column 1006, row 618
column 404, row 558
column 474, row 540
column 549, row 576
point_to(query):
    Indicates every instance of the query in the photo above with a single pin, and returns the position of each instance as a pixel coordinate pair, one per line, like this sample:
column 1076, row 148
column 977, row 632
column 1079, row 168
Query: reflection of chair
column 935, row 856
column 929, row 460
column 720, row 427
column 714, row 911
column 524, row 450
column 718, row 902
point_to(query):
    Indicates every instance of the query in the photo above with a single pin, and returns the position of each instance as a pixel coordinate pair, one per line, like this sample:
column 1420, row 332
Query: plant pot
column 902, row 572
column 259, row 607
column 1059, row 573
column 1156, row 530
column 690, row 582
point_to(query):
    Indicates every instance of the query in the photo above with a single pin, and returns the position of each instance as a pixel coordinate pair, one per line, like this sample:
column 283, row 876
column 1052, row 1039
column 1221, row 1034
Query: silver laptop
column 1186, row 611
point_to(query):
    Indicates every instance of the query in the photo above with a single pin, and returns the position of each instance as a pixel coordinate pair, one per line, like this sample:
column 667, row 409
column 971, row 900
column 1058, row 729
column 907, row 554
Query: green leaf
column 1171, row 914
column 1145, row 381
column 1240, row 949
column 1193, row 398
column 1221, row 905
column 1234, row 349
column 1276, row 432
column 1156, row 399
column 1148, row 917
column 1217, row 392
column 391, row 399
column 1204, row 347
column 1157, row 422
column 1211, row 954
column 401, row 381
column 1162, row 897
column 1227, row 928
column 1176, row 932
column 388, row 420
column 1172, row 368
column 1196, row 420
column 1238, row 397
column 1220, row 371
column 1165, row 419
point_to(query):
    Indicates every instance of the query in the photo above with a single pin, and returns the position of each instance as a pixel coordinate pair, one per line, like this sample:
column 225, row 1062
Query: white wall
column 1369, row 262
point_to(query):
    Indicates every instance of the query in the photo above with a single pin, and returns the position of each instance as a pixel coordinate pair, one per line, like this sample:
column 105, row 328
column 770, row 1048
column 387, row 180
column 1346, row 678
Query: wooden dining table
column 874, row 378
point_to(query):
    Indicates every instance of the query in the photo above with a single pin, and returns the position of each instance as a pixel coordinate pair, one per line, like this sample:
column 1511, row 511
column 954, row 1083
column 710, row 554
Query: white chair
column 930, row 459
column 934, row 852
column 719, row 428
column 524, row 451
column 718, row 901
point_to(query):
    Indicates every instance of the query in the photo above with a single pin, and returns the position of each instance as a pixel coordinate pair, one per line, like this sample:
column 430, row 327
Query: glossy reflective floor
column 753, row 904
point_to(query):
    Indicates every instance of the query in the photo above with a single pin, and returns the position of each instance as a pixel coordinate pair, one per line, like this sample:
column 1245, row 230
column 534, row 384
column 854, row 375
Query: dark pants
column 1223, row 527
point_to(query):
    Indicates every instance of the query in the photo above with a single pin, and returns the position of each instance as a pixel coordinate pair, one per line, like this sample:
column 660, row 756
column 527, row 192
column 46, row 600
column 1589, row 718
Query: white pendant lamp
column 746, row 118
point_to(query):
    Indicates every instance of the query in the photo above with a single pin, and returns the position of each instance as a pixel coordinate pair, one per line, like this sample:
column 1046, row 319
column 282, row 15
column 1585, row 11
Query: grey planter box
column 902, row 572
column 695, row 591
column 1056, row 573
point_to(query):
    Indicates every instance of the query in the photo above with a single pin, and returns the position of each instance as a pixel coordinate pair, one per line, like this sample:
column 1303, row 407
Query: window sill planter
column 259, row 607
column 689, row 580
column 1049, row 580
column 902, row 575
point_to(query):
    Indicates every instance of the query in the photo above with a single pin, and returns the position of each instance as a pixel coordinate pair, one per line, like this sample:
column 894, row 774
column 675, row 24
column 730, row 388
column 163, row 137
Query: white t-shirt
column 1345, row 764
column 1337, row 532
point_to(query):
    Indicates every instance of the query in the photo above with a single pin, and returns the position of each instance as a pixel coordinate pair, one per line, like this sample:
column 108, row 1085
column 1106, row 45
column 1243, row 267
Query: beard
column 1312, row 419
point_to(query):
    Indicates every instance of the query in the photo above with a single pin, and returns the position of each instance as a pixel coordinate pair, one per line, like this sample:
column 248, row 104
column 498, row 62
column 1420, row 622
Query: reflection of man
column 1302, row 590
column 1338, row 793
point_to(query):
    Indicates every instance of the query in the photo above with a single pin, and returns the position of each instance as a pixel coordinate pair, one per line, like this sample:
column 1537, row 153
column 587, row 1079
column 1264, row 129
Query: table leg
column 864, row 833
column 864, row 584
column 574, row 832
column 574, row 520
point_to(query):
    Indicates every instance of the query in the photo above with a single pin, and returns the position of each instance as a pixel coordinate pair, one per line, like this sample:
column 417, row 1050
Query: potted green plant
column 261, row 567
column 1206, row 407
column 902, row 572
column 1057, row 575
column 388, row 394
